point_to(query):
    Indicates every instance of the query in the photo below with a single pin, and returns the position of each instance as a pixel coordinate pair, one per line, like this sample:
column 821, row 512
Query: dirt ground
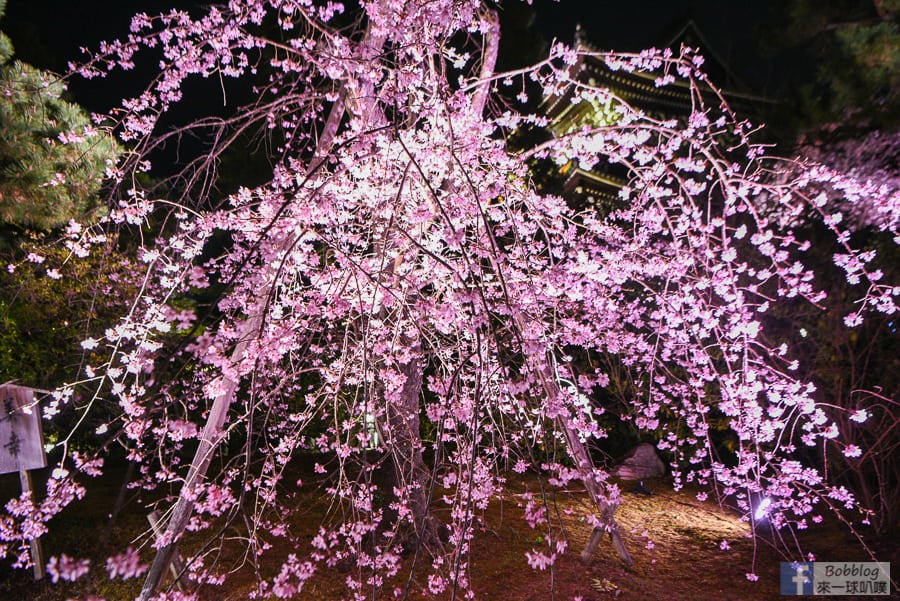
column 676, row 542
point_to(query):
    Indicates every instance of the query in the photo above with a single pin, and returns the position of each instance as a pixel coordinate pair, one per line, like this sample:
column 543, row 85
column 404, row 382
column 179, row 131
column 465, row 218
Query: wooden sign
column 21, row 437
column 22, row 447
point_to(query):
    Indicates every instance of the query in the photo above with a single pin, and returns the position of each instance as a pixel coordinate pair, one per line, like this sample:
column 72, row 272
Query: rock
column 640, row 463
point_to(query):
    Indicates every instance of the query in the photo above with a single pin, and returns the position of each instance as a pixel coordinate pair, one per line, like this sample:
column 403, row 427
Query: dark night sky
column 48, row 33
column 631, row 25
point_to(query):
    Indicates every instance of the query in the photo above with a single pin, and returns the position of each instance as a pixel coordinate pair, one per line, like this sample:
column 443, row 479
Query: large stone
column 640, row 463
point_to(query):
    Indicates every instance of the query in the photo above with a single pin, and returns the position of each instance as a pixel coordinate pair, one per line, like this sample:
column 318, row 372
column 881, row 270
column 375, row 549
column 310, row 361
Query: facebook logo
column 796, row 578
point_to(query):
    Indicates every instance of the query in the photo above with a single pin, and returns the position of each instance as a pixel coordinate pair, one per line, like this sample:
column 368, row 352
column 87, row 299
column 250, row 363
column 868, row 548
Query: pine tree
column 44, row 182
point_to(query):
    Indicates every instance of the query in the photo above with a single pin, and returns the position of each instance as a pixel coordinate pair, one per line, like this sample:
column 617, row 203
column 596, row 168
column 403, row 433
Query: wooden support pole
column 37, row 555
column 363, row 103
column 584, row 464
column 176, row 566
column 578, row 452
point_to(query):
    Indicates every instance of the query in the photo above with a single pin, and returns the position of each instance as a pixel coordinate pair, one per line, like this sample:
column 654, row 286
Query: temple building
column 600, row 185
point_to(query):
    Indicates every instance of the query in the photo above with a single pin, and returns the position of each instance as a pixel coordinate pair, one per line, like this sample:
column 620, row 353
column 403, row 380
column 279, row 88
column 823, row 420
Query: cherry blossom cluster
column 400, row 266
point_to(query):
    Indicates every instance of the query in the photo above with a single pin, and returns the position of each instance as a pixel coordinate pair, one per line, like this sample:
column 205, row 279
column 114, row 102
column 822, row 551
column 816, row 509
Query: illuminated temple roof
column 601, row 184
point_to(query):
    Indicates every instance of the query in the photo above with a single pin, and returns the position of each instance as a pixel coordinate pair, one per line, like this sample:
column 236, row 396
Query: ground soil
column 675, row 539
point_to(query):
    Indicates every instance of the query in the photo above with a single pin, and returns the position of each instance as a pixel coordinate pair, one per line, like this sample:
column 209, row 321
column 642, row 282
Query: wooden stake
column 177, row 564
column 37, row 555
column 211, row 434
column 585, row 465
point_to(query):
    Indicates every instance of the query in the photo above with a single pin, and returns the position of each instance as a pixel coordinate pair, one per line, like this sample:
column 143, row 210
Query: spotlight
column 762, row 508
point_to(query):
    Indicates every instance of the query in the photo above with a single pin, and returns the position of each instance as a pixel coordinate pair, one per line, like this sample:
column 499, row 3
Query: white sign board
column 21, row 438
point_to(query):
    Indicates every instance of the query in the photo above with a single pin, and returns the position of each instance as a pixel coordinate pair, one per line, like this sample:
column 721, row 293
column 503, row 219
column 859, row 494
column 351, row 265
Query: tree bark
column 406, row 469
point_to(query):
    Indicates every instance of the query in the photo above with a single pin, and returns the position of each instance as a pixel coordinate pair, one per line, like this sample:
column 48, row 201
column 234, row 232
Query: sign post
column 22, row 447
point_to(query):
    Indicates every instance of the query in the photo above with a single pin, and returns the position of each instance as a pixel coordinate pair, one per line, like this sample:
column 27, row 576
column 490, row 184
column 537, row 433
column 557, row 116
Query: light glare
column 761, row 509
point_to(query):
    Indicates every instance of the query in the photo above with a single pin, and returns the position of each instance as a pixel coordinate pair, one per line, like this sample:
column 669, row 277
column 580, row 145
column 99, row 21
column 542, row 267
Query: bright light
column 761, row 509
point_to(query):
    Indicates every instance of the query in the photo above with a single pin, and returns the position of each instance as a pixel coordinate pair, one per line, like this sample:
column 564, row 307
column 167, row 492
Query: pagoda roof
column 640, row 90
column 639, row 87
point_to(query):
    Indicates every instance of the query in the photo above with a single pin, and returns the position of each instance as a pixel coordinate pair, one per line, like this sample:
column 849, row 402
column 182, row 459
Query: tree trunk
column 406, row 470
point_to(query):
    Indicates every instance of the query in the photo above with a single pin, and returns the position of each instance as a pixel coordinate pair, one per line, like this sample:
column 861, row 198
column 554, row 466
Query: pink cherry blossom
column 398, row 272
